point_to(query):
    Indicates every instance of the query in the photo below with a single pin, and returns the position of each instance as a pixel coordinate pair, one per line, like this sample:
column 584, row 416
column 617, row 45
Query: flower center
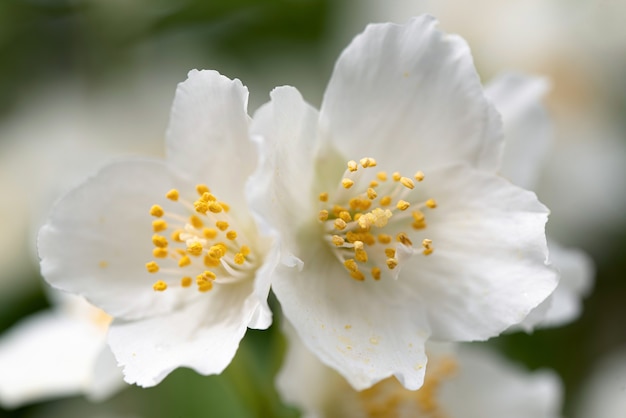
column 367, row 218
column 203, row 244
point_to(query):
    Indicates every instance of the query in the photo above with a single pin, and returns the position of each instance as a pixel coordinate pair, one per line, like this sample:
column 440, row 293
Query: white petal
column 107, row 378
column 207, row 138
column 98, row 239
column 410, row 95
column 527, row 127
column 280, row 191
column 47, row 355
column 203, row 335
column 488, row 269
column 365, row 331
column 488, row 386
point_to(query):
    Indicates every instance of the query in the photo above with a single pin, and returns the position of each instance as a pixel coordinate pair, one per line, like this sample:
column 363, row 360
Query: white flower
column 443, row 247
column 59, row 352
column 180, row 267
column 528, row 138
column 461, row 382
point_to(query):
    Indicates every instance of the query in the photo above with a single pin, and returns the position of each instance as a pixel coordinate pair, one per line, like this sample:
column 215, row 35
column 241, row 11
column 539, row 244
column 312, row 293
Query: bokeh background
column 83, row 82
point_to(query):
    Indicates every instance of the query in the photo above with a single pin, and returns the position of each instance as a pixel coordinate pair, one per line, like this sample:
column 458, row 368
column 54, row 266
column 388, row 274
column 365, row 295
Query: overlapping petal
column 409, row 94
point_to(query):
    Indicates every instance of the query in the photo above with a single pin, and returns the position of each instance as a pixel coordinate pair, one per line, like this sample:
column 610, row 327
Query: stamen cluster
column 203, row 244
column 365, row 221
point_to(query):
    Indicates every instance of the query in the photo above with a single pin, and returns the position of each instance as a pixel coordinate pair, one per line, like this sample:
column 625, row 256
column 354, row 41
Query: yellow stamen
column 159, row 225
column 350, row 264
column 338, row 241
column 384, row 238
column 159, row 252
column 396, row 176
column 419, row 176
column 202, row 189
column 402, row 205
column 382, row 175
column 176, row 235
column 392, row 263
column 431, row 203
column 239, row 259
column 385, row 201
column 222, row 225
column 152, row 267
column 345, row 215
column 390, row 252
column 323, row 215
column 205, row 287
column 211, row 261
column 184, row 261
column 217, row 251
column 186, row 281
column 347, row 183
column 156, row 211
column 172, row 195
column 225, row 206
column 159, row 286
column 352, row 165
column 215, row 207
column 340, row 224
column 201, row 206
column 371, row 194
column 404, row 239
column 368, row 162
column 209, row 233
column 231, row 235
column 407, row 182
column 195, row 248
column 373, row 183
column 376, row 273
column 357, row 275
column 324, row 197
column 245, row 250
column 159, row 241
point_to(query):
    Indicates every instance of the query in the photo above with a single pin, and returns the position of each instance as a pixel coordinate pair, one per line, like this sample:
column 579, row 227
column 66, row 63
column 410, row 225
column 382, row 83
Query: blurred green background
column 108, row 58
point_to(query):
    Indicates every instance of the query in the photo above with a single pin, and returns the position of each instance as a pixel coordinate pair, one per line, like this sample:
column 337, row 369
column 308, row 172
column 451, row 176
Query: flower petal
column 409, row 94
column 488, row 386
column 364, row 331
column 279, row 191
column 98, row 239
column 203, row 335
column 488, row 269
column 47, row 355
column 207, row 138
column 527, row 127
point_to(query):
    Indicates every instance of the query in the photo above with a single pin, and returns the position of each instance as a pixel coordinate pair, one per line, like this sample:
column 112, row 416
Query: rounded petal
column 207, row 138
column 203, row 335
column 527, row 127
column 97, row 240
column 489, row 265
column 47, row 355
column 487, row 385
column 409, row 94
column 279, row 191
column 365, row 331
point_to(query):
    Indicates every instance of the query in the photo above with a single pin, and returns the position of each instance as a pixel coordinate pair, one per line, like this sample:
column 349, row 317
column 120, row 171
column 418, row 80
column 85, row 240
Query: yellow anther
column 347, row 183
column 186, row 281
column 222, row 225
column 157, row 211
column 418, row 225
column 172, row 195
column 385, row 201
column 196, row 222
column 245, row 250
column 426, row 243
column 340, row 224
column 418, row 216
column 366, row 220
column 209, row 233
column 358, row 245
column 152, row 267
column 382, row 175
column 202, row 189
column 159, row 252
column 345, row 215
column 419, row 176
column 159, row 241
column 338, row 241
column 180, row 251
column 407, row 182
column 371, row 194
column 201, row 206
column 225, row 206
column 403, row 205
column 338, row 209
column 392, row 263
column 357, row 216
column 431, row 203
column 373, row 183
column 384, row 238
column 231, row 235
column 428, row 251
column 396, row 176
column 352, row 165
column 390, row 252
column 215, row 207
column 357, row 275
column 205, row 287
column 381, row 216
column 324, row 197
column 206, row 276
column 404, row 239
column 217, row 251
column 195, row 248
column 360, row 255
column 159, row 286
column 159, row 225
column 368, row 162
column 350, row 264
column 376, row 273
column 184, row 261
column 322, row 215
column 208, row 197
column 211, row 261
column 239, row 258
column 176, row 235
